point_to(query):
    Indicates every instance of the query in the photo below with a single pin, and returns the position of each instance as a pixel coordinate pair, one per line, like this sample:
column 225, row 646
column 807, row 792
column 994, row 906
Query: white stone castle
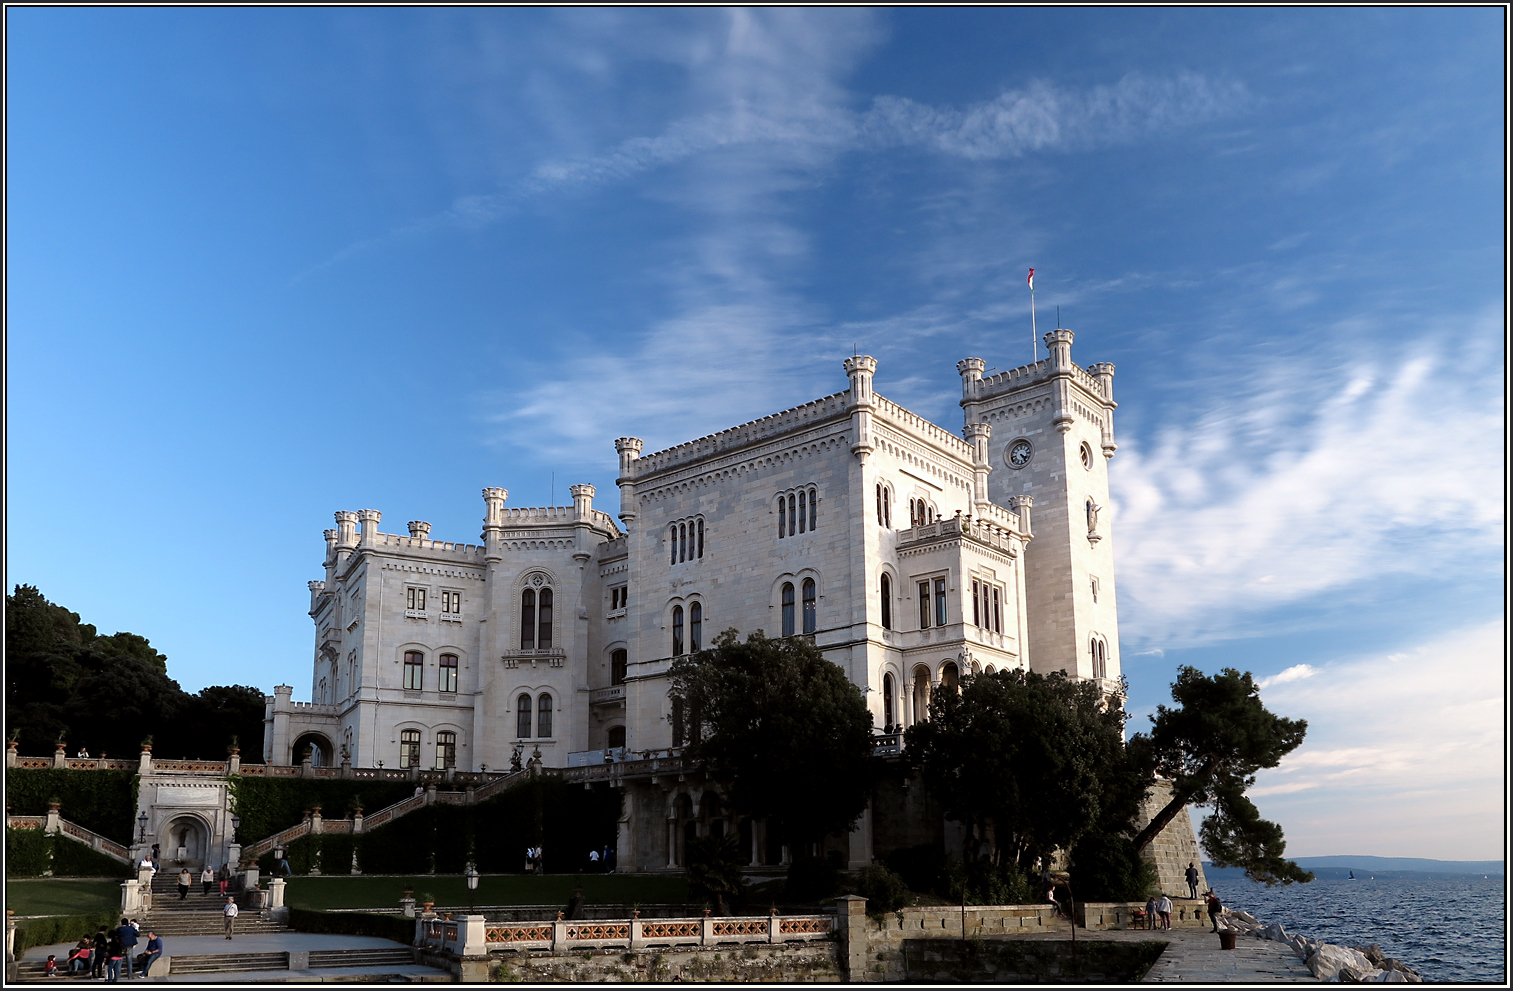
column 907, row 553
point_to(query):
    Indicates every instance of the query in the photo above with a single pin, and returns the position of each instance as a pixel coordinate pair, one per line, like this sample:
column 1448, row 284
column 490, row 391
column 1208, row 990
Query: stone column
column 144, row 761
column 10, row 754
column 629, row 449
column 472, row 936
column 369, row 518
column 131, row 898
column 53, row 824
column 60, row 757
column 977, row 435
column 860, row 370
column 851, row 923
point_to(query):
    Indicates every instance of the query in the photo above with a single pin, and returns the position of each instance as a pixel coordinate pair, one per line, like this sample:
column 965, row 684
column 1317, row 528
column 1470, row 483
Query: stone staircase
column 198, row 914
column 376, row 965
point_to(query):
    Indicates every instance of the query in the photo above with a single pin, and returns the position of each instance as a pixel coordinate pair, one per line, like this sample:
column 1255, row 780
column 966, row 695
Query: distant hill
column 1338, row 868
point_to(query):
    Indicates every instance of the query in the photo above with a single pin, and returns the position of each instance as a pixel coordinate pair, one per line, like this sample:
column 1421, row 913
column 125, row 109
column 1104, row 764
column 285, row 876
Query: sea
column 1448, row 927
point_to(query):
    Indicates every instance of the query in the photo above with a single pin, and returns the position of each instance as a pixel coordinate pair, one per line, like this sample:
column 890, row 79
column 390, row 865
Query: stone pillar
column 144, row 761
column 1103, row 371
column 629, row 449
column 559, row 934
column 233, row 856
column 1021, row 504
column 1058, row 344
column 493, row 522
column 60, row 757
column 234, row 763
column 10, row 937
column 860, row 370
column 131, row 898
column 346, row 767
column 977, row 435
column 672, row 841
column 851, row 925
column 431, row 793
column 276, row 893
column 407, row 907
column 369, row 518
column 706, row 930
column 53, row 824
column 356, row 821
column 471, row 936
column 10, row 754
column 583, row 501
column 306, row 767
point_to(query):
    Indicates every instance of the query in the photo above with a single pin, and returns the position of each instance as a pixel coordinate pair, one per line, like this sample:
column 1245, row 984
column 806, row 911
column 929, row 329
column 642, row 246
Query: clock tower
column 1052, row 436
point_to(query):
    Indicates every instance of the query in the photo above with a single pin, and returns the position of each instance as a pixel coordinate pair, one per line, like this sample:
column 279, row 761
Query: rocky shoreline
column 1327, row 961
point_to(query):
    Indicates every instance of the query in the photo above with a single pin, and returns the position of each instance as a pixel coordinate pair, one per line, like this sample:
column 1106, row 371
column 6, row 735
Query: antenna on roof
column 553, row 496
column 1058, row 316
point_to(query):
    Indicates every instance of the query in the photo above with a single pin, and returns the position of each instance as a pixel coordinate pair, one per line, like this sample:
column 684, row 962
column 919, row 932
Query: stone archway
column 322, row 752
column 185, row 843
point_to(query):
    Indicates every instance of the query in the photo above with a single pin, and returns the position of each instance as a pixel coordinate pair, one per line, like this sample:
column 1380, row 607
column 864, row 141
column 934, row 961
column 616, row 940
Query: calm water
column 1447, row 930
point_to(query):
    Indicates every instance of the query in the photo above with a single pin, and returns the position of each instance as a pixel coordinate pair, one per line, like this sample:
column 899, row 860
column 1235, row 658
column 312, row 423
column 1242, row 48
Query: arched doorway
column 322, row 753
column 185, row 843
column 921, row 694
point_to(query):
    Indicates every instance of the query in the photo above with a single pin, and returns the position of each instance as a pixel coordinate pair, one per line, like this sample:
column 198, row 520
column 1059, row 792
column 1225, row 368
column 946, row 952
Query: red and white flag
column 1032, row 280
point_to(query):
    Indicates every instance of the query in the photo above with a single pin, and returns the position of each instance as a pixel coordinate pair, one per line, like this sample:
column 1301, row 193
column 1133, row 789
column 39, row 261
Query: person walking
column 1192, row 880
column 230, row 913
column 1214, row 908
column 157, row 854
column 126, row 934
column 1164, row 909
column 225, row 878
column 113, row 954
column 1150, row 912
column 97, row 958
column 185, row 880
column 207, row 878
column 593, row 860
column 154, row 950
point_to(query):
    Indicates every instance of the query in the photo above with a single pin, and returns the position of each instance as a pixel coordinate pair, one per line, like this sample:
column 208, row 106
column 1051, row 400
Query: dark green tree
column 1210, row 747
column 1030, row 760
column 715, row 870
column 785, row 727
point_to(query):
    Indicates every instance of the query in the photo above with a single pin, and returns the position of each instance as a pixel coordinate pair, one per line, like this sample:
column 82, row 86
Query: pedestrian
column 154, row 950
column 97, row 958
column 1192, row 880
column 593, row 860
column 608, row 861
column 185, row 880
column 1164, row 909
column 530, row 860
column 207, row 878
column 540, row 867
column 50, row 969
column 113, row 954
column 1150, row 912
column 84, row 752
column 1050, row 896
column 230, row 913
column 126, row 933
column 225, row 878
column 1214, row 908
column 156, row 856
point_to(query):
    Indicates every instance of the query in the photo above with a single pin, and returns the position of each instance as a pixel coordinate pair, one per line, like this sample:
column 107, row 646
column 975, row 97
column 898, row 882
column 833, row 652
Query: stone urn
column 54, row 806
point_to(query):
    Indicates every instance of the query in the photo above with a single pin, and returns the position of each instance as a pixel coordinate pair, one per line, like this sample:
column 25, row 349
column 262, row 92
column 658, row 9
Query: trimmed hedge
column 61, row 929
column 33, row 853
column 395, row 927
column 566, row 820
column 267, row 805
column 102, row 801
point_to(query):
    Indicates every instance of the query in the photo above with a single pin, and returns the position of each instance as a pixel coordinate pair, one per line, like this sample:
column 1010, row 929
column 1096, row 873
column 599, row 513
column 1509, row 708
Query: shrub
column 267, row 805
column 1108, row 868
column 32, row 853
column 884, row 890
column 989, row 884
column 395, row 927
column 104, row 802
column 60, row 929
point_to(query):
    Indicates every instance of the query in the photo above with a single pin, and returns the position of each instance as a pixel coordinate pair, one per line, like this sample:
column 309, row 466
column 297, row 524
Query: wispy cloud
column 1308, row 476
column 1295, row 673
column 1417, row 733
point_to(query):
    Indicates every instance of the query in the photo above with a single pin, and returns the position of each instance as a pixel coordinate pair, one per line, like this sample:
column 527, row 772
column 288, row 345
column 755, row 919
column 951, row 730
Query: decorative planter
column 54, row 806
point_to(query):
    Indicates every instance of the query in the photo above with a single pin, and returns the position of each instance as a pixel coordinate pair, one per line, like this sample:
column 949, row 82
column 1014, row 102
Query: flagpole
column 1034, row 334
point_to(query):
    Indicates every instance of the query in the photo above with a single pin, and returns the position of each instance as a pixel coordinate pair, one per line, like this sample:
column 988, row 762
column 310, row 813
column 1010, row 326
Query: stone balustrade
column 472, row 935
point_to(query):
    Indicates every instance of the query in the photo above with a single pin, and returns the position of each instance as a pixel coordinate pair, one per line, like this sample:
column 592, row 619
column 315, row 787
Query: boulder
column 1332, row 963
column 1276, row 932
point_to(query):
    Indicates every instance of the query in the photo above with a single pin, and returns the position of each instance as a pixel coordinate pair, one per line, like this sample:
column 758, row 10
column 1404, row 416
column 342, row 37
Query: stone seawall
column 1042, row 961
column 793, row 963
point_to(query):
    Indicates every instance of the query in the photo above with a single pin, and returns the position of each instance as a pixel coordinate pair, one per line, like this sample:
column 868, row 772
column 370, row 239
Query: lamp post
column 142, row 828
column 236, row 823
column 472, row 887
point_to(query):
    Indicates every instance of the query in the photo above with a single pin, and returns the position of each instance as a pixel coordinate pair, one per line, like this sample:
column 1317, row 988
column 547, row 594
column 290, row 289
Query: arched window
column 782, row 517
column 616, row 738
column 803, row 509
column 792, row 515
column 446, row 751
column 409, row 748
column 695, row 627
column 701, row 539
column 617, row 666
column 814, row 509
column 682, row 542
column 523, row 716
column 544, row 716
column 888, row 702
column 809, row 605
column 544, row 636
column 886, row 590
column 949, row 678
column 880, row 503
column 788, row 609
column 677, row 630
column 415, row 665
column 672, row 542
column 448, row 680
column 1099, row 651
column 921, row 695
column 887, row 507
column 528, row 619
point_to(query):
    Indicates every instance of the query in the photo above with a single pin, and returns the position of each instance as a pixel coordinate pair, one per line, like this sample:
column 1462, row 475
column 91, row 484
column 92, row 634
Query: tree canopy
column 1030, row 760
column 1210, row 746
column 107, row 693
column 785, row 727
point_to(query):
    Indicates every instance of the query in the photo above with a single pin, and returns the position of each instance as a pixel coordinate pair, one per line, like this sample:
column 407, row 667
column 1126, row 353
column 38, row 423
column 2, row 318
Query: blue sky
column 267, row 264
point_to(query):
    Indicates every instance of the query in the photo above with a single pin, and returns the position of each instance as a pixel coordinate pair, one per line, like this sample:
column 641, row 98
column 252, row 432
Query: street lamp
column 236, row 823
column 472, row 887
column 142, row 828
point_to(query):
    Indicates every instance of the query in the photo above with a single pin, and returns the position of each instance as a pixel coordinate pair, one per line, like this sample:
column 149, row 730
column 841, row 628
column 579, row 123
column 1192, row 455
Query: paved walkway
column 1193, row 956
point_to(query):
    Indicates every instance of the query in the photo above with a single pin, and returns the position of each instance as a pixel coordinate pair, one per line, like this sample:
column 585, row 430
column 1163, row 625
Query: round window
column 1087, row 456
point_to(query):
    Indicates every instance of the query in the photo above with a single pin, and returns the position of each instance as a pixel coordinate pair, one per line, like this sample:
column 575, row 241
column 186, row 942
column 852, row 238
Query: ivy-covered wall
column 33, row 853
column 102, row 801
column 565, row 820
column 267, row 805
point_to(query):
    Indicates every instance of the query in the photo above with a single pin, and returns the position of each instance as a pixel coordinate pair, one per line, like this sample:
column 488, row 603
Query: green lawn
column 339, row 891
column 61, row 896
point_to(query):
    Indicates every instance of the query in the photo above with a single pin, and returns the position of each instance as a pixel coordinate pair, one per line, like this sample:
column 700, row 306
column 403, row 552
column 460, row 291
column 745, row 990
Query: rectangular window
column 409, row 748
column 701, row 540
column 415, row 665
column 677, row 630
column 782, row 517
column 814, row 508
column 523, row 717
column 544, row 617
column 810, row 623
column 618, row 662
column 924, row 605
column 976, row 611
column 695, row 627
column 446, row 751
column 415, row 598
column 940, row 602
column 448, row 673
column 788, row 609
column 451, row 602
column 997, row 612
column 803, row 510
column 528, row 619
column 544, row 716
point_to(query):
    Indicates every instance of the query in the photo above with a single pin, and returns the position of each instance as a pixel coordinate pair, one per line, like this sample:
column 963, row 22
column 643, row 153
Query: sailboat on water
column 1351, row 877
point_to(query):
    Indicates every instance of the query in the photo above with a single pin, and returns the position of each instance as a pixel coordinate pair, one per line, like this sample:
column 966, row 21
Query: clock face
column 1019, row 453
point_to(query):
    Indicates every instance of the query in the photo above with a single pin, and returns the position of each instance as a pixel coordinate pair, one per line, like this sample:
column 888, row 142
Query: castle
column 912, row 557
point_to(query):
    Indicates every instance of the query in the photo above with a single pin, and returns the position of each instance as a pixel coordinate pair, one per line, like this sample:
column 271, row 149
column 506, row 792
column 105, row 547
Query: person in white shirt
column 230, row 913
column 1164, row 908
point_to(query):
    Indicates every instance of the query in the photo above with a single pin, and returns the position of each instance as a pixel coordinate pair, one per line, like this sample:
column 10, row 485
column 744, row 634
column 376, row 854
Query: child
column 51, row 968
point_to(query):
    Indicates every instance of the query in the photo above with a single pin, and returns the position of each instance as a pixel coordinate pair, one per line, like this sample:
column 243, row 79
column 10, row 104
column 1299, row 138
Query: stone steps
column 220, row 963
column 360, row 958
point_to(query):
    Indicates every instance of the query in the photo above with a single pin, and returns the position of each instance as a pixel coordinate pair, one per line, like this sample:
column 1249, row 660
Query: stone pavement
column 1193, row 956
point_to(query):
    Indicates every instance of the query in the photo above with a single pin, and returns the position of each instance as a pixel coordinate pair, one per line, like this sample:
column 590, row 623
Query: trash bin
column 1226, row 940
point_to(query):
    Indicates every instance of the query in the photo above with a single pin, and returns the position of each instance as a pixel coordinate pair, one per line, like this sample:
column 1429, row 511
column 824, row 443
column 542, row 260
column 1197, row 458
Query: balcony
column 607, row 696
column 887, row 744
column 551, row 657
